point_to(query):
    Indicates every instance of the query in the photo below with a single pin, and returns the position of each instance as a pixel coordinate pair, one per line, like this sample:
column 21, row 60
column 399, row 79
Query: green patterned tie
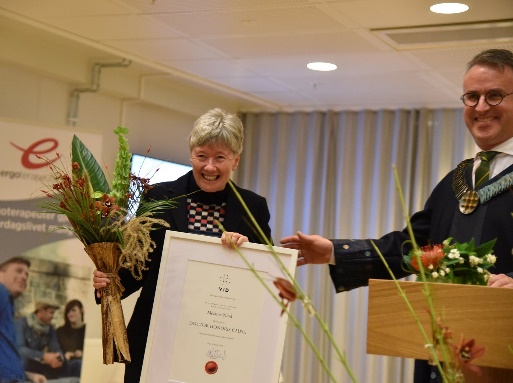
column 483, row 170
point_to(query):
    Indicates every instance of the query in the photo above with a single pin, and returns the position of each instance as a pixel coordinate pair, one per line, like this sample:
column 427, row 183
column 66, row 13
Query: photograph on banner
column 57, row 300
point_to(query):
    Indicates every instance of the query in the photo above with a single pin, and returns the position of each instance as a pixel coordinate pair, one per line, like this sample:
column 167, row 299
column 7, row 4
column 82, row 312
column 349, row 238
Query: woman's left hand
column 230, row 239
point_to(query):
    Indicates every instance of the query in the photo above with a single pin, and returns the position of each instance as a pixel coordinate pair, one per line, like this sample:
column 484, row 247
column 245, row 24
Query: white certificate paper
column 220, row 322
column 213, row 321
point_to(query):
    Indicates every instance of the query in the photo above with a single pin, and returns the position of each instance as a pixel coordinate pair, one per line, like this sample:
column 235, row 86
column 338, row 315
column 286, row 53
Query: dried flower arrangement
column 102, row 217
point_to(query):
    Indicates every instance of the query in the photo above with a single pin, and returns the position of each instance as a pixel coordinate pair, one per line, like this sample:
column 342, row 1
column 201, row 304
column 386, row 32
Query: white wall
column 39, row 70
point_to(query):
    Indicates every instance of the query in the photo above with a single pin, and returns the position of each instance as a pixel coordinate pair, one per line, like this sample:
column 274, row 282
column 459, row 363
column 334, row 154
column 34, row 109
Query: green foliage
column 453, row 262
column 121, row 180
column 89, row 167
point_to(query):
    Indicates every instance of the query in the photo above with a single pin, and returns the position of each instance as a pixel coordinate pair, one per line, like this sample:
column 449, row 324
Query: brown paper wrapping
column 105, row 256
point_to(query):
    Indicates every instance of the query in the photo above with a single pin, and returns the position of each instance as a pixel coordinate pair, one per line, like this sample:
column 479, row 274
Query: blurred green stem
column 426, row 291
column 301, row 296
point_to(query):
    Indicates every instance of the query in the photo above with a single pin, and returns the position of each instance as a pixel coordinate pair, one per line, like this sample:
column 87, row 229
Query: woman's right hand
column 100, row 281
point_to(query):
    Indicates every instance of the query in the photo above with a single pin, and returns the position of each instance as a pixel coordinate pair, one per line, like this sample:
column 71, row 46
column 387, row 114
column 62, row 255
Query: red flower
column 466, row 353
column 47, row 193
column 430, row 255
column 106, row 207
column 108, row 200
column 287, row 291
column 444, row 330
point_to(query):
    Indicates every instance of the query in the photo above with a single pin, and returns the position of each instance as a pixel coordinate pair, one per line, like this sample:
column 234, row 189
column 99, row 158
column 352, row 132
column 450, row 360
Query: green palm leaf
column 89, row 165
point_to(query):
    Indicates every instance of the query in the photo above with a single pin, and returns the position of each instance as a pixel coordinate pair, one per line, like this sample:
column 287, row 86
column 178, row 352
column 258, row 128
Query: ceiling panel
column 40, row 10
column 258, row 50
column 319, row 44
column 165, row 49
column 114, row 27
column 161, row 6
column 212, row 68
column 407, row 13
column 251, row 22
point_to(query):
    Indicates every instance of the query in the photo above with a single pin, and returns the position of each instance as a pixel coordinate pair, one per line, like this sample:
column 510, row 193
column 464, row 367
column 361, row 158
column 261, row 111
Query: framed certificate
column 213, row 320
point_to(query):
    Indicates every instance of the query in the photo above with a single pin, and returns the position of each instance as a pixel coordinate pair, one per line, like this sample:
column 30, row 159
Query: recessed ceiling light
column 449, row 8
column 325, row 67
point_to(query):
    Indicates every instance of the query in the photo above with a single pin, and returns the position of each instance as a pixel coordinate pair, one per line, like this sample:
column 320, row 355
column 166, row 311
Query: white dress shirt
column 501, row 160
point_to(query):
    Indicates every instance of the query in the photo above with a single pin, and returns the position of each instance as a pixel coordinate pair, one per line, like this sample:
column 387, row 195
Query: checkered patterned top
column 202, row 216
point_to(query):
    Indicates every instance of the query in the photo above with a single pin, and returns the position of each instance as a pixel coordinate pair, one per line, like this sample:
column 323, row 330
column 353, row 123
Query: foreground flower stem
column 426, row 290
column 301, row 295
column 402, row 293
column 285, row 309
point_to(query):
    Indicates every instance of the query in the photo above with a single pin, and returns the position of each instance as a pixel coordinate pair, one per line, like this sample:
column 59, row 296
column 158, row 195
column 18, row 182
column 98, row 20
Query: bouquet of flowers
column 102, row 217
column 453, row 262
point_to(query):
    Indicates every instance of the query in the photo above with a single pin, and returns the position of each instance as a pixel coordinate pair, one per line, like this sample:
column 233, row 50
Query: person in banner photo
column 204, row 197
column 71, row 335
column 38, row 345
column 488, row 113
column 14, row 275
column 13, row 282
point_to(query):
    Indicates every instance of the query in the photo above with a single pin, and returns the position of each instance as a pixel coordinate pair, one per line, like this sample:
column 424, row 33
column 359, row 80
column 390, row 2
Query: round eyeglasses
column 492, row 98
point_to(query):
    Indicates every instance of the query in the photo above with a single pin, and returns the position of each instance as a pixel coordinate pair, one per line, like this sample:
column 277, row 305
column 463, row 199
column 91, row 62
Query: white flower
column 474, row 261
column 454, row 254
column 447, row 270
column 430, row 267
column 486, row 276
column 434, row 274
column 446, row 242
column 490, row 258
column 442, row 273
column 480, row 270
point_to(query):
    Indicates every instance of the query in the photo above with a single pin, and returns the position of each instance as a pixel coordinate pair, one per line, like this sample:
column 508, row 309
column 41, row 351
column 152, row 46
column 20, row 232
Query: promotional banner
column 60, row 271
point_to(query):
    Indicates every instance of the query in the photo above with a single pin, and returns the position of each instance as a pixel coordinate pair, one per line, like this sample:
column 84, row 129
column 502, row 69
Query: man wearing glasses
column 472, row 201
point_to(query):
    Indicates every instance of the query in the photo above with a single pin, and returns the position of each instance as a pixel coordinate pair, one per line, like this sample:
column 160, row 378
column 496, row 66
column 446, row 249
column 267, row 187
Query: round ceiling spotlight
column 320, row 66
column 449, row 8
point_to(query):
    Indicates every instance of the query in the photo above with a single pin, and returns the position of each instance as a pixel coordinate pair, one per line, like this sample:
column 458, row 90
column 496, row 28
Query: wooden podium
column 479, row 312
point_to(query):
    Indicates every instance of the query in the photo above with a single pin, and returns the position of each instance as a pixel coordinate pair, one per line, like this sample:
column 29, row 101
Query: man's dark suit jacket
column 357, row 261
column 235, row 220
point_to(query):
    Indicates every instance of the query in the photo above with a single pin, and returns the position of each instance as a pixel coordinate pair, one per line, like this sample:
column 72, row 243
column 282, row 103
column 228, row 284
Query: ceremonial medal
column 468, row 198
column 469, row 201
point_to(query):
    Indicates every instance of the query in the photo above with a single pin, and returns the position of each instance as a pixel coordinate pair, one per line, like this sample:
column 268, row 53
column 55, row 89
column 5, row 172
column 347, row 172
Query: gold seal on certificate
column 213, row 321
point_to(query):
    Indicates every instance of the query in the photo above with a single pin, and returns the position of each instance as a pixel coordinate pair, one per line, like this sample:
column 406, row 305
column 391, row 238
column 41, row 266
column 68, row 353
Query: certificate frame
column 178, row 340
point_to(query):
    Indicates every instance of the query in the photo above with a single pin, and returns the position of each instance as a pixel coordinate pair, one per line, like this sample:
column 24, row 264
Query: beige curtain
column 331, row 173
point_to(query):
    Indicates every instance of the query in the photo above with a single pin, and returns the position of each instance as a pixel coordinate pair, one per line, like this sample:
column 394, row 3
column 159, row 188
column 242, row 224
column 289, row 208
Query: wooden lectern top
column 479, row 312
